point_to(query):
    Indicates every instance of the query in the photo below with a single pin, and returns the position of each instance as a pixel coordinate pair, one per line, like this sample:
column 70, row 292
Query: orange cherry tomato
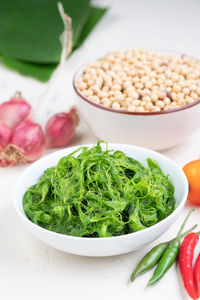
column 192, row 172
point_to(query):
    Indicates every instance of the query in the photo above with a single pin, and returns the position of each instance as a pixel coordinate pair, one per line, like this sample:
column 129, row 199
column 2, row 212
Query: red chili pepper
column 197, row 276
column 185, row 262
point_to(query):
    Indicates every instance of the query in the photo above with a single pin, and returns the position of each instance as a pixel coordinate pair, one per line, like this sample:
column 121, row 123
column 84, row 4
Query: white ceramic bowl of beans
column 159, row 128
column 108, row 246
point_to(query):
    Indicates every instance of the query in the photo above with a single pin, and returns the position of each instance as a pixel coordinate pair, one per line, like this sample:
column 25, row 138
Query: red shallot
column 27, row 144
column 14, row 111
column 5, row 135
column 60, row 128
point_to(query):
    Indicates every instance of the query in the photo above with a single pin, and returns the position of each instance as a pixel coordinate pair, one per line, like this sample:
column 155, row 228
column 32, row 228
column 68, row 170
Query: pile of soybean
column 94, row 192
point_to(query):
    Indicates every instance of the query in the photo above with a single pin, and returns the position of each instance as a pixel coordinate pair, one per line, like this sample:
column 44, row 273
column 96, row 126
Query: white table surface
column 30, row 269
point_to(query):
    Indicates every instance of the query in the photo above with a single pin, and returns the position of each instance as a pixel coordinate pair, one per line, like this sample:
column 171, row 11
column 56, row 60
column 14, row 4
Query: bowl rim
column 156, row 113
column 124, row 236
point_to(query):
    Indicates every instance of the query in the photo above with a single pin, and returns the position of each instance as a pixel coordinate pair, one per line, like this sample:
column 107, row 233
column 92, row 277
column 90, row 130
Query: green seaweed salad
column 100, row 193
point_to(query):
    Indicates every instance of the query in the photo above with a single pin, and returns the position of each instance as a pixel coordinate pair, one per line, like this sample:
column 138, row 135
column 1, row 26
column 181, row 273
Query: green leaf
column 41, row 72
column 96, row 13
column 30, row 30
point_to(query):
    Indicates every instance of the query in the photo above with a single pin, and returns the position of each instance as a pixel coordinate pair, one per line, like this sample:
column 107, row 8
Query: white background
column 28, row 268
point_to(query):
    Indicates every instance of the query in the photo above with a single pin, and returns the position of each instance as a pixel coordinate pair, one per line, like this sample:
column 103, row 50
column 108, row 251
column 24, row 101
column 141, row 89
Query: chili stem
column 186, row 232
column 183, row 225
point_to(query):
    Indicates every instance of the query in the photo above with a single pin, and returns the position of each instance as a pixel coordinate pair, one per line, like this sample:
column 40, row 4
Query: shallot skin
column 60, row 129
column 5, row 135
column 14, row 111
column 29, row 137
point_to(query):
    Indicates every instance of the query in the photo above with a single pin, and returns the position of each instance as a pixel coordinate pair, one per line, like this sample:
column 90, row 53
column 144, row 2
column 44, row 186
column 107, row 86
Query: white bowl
column 155, row 130
column 101, row 246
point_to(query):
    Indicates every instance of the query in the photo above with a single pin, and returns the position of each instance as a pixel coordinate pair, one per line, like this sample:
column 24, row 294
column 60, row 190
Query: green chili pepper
column 149, row 260
column 153, row 256
column 169, row 256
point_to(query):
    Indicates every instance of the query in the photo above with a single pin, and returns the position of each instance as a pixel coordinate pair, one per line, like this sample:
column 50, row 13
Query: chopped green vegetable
column 100, row 193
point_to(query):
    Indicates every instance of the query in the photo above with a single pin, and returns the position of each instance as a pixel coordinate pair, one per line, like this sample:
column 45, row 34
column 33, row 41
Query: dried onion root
column 11, row 156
